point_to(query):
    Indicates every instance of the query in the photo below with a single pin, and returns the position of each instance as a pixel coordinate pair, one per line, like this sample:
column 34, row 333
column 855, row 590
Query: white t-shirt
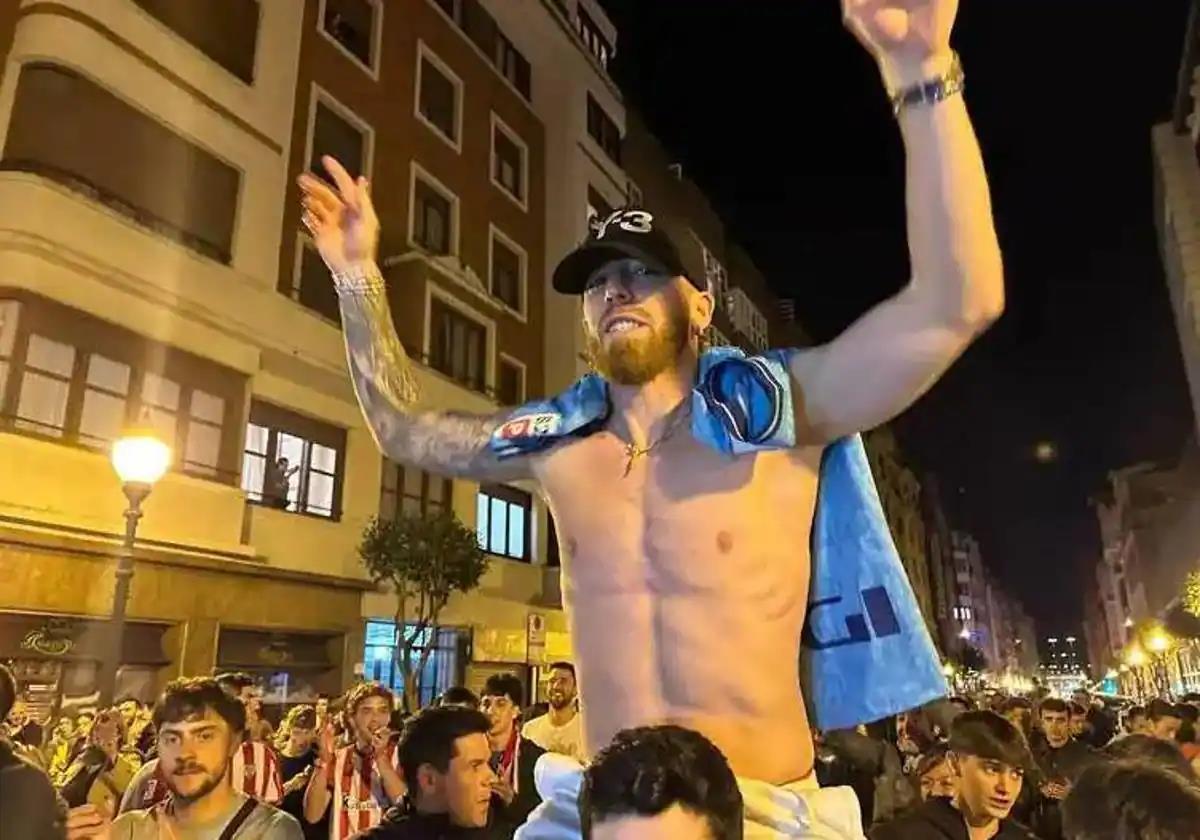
column 566, row 739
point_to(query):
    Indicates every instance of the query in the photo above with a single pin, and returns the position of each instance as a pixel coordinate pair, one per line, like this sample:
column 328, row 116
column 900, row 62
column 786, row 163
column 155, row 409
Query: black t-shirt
column 289, row 766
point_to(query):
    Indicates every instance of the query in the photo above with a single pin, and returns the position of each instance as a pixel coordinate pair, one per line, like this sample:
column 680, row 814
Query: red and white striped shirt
column 254, row 771
column 359, row 800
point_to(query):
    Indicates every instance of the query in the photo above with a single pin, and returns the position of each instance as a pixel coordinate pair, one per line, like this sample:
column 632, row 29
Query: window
column 597, row 207
column 480, row 27
column 510, row 383
column 354, row 26
column 45, row 386
column 502, row 521
column 66, row 376
column 717, row 277
column 442, row 669
column 439, row 97
column 452, row 8
column 593, row 38
column 312, row 286
column 457, row 345
column 433, row 218
column 508, row 161
column 508, row 272
column 715, row 338
column 603, row 130
column 412, row 492
column 174, row 188
column 512, row 65
column 293, row 463
column 10, row 312
column 226, row 32
column 334, row 134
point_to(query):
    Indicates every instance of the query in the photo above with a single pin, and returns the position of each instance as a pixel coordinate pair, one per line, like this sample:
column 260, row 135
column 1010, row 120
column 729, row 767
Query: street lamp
column 140, row 459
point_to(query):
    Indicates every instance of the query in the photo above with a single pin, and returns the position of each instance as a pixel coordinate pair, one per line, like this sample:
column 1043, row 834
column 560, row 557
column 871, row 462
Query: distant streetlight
column 140, row 459
column 1070, row 640
column 964, row 633
column 1158, row 641
column 1135, row 657
column 1045, row 451
column 948, row 669
column 1052, row 640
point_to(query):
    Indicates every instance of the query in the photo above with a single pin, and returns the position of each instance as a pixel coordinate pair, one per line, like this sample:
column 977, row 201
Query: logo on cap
column 631, row 221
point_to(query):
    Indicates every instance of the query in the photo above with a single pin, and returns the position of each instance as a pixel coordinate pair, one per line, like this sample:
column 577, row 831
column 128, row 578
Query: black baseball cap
column 629, row 233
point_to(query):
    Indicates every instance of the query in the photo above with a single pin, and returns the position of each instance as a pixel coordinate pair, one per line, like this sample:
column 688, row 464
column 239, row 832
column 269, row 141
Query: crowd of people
column 205, row 762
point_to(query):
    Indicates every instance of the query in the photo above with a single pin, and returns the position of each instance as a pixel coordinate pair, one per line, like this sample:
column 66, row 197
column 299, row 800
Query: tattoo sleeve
column 446, row 442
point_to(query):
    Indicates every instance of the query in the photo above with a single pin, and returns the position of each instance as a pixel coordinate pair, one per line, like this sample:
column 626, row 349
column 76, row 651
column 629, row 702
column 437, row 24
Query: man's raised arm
column 894, row 353
column 346, row 231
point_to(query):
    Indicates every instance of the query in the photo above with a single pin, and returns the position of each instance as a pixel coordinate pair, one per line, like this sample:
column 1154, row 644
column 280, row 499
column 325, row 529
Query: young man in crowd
column 1164, row 719
column 662, row 781
column 446, row 758
column 27, row 798
column 200, row 728
column 1061, row 759
column 990, row 758
column 935, row 774
column 460, row 696
column 1136, row 722
column 514, row 793
column 254, row 769
column 244, row 687
column 1131, row 801
column 358, row 782
column 560, row 730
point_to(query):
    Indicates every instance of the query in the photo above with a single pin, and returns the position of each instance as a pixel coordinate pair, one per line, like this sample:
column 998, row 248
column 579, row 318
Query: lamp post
column 140, row 458
column 1159, row 642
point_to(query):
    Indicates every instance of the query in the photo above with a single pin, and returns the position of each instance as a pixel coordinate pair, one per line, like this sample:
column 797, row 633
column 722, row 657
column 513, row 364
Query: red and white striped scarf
column 359, row 800
column 254, row 771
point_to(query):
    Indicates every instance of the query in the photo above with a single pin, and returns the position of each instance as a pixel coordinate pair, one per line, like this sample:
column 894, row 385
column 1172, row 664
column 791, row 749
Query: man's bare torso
column 686, row 584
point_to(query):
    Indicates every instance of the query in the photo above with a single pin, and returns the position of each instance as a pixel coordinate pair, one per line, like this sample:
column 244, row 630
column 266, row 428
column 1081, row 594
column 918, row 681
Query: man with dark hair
column 358, row 782
column 255, row 768
column 445, row 757
column 990, row 758
column 1019, row 712
column 514, row 793
column 200, row 729
column 244, row 687
column 663, row 782
column 27, row 798
column 1150, row 750
column 460, row 696
column 1164, row 719
column 560, row 730
column 1131, row 801
column 1136, row 722
column 1078, row 721
column 1060, row 760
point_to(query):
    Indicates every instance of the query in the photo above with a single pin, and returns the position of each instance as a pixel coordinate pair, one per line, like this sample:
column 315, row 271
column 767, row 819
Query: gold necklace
column 633, row 451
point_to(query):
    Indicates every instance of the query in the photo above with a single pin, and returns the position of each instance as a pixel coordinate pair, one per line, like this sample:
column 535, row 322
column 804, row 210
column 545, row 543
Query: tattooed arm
column 346, row 231
column 450, row 443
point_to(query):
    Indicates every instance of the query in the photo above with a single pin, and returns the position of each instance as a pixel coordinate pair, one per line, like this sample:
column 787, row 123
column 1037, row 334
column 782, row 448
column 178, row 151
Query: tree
column 424, row 560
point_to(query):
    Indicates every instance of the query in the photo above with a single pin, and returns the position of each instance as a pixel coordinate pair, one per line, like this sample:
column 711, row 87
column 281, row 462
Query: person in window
column 277, row 483
column 514, row 794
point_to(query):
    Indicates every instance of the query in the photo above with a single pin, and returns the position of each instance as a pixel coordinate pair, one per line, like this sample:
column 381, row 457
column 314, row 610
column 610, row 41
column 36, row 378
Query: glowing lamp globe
column 1158, row 641
column 140, row 457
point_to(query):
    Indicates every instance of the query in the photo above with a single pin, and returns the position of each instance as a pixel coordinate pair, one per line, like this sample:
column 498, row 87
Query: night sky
column 778, row 114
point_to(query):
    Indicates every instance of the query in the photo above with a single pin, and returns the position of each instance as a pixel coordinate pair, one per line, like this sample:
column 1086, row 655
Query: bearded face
column 637, row 327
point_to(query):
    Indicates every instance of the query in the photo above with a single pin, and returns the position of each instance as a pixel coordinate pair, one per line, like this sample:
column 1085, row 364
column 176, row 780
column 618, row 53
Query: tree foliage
column 422, row 560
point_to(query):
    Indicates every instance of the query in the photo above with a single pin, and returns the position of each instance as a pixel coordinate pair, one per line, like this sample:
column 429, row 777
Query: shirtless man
column 684, row 586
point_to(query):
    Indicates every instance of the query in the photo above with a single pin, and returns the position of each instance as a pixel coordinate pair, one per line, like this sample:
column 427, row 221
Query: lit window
column 503, row 517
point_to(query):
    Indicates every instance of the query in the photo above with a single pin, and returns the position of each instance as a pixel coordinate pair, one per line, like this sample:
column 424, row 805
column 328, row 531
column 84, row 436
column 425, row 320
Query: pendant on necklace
column 632, row 453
